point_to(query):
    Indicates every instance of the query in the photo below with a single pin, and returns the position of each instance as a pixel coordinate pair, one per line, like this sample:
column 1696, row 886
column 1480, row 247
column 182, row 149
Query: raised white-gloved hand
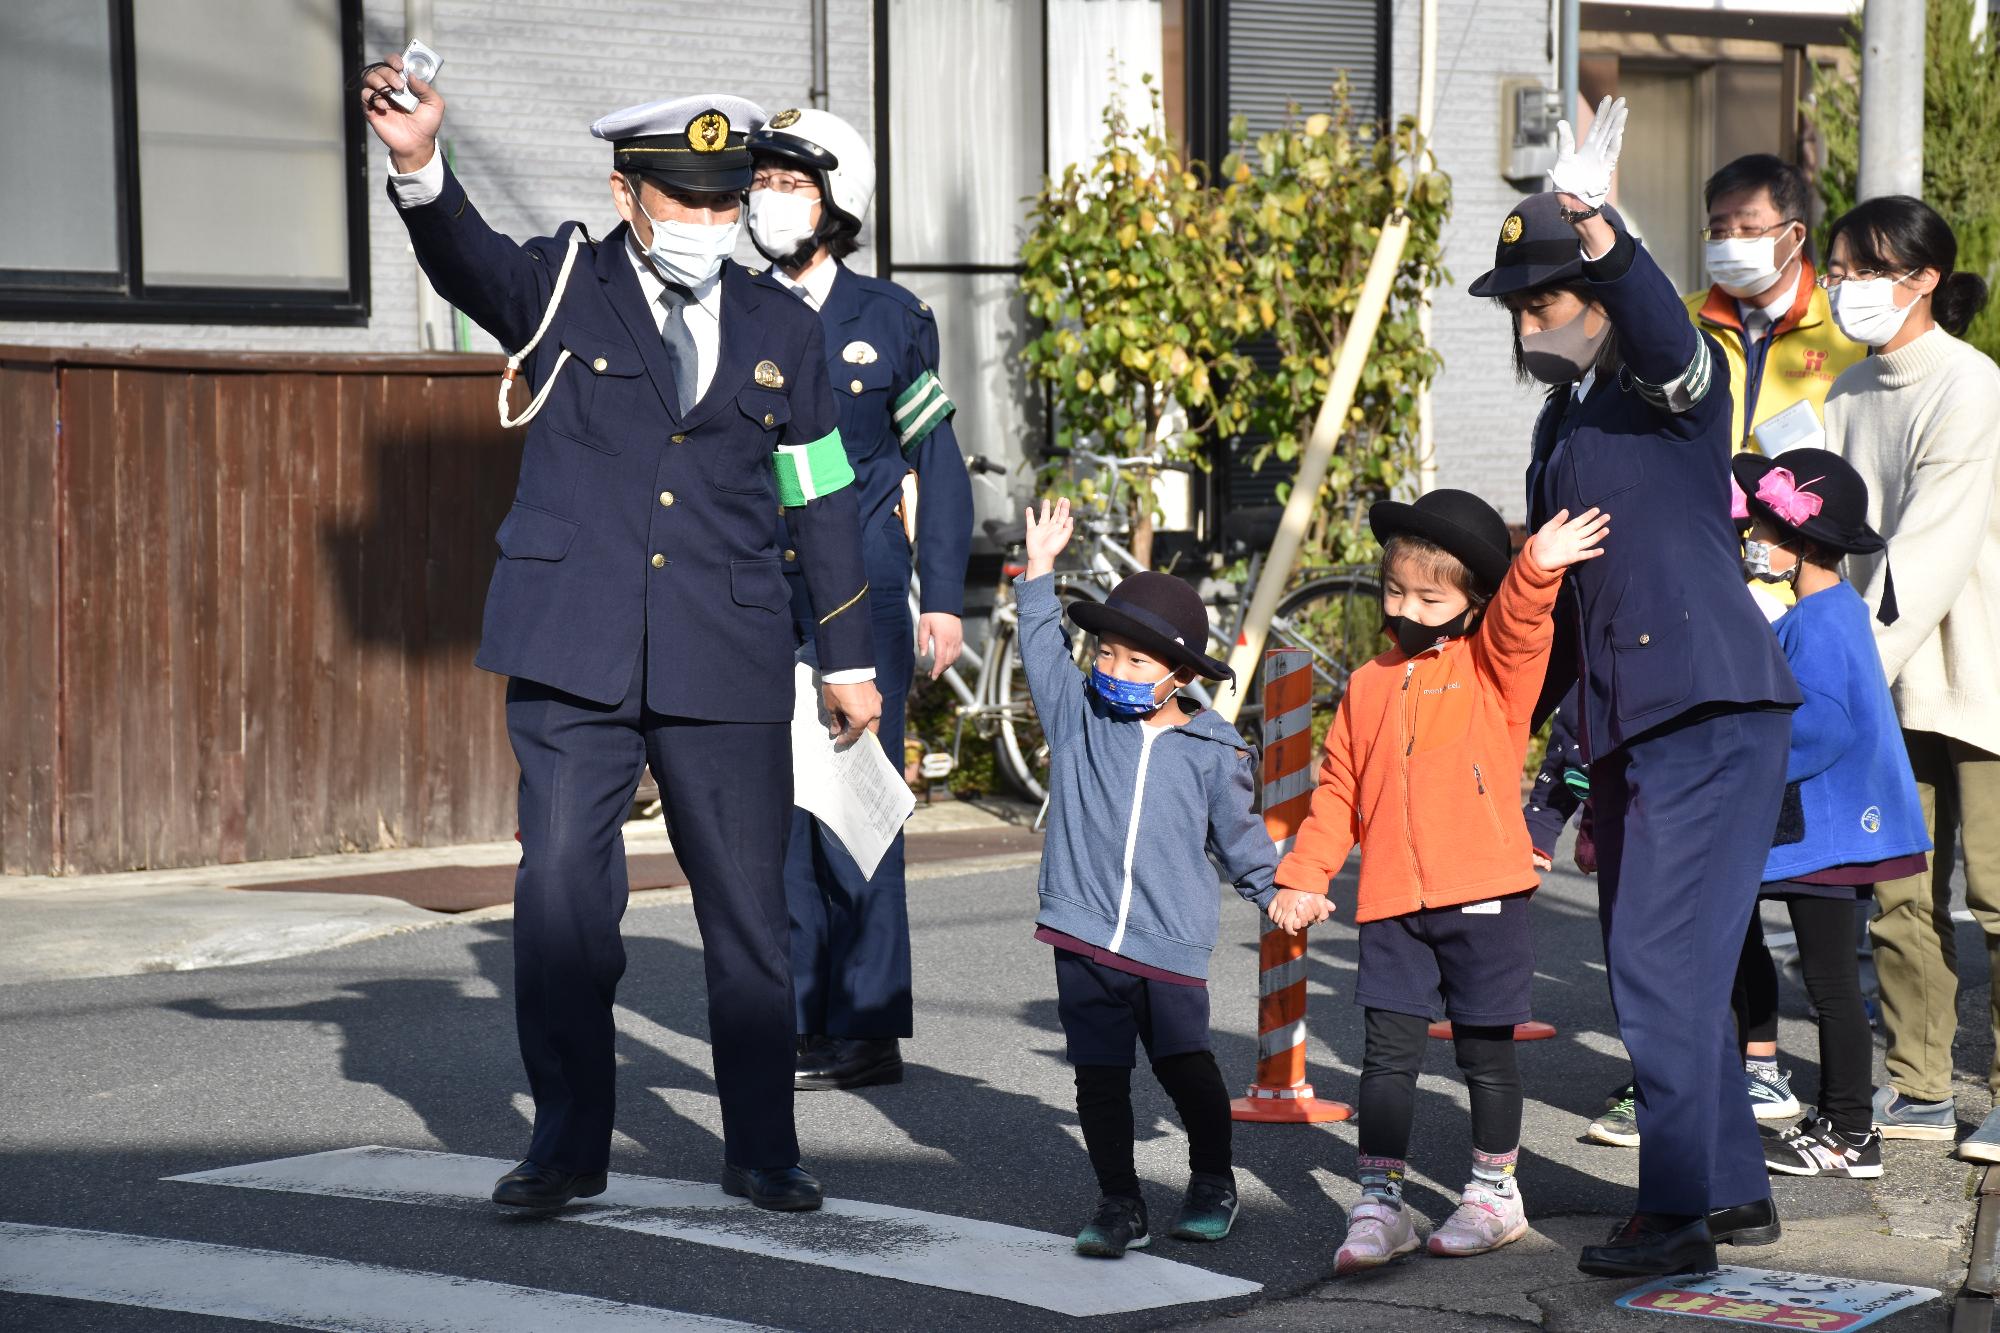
column 1585, row 170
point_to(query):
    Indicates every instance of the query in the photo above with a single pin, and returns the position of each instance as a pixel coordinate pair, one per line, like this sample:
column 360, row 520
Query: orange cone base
column 1532, row 1030
column 1297, row 1107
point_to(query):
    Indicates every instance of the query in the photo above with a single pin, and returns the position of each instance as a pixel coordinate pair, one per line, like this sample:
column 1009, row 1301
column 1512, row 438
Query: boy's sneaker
column 1815, row 1148
column 1771, row 1094
column 1485, row 1220
column 1984, row 1143
column 1120, row 1225
column 1619, row 1124
column 1900, row 1118
column 1378, row 1230
column 1208, row 1211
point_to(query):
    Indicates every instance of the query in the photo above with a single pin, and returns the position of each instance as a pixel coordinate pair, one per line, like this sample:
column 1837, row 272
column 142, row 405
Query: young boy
column 1143, row 789
column 1421, row 768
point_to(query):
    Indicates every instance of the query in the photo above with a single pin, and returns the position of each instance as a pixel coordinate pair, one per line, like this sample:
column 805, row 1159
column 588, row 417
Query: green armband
column 919, row 410
column 807, row 471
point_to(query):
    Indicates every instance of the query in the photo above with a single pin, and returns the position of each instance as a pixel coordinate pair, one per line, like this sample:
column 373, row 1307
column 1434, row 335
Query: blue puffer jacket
column 1856, row 800
column 1135, row 812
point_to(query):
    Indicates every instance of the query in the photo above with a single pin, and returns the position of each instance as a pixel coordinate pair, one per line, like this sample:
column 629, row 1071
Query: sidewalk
column 212, row 916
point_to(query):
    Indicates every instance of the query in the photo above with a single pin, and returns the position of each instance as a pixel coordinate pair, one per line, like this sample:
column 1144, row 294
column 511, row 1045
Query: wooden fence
column 239, row 600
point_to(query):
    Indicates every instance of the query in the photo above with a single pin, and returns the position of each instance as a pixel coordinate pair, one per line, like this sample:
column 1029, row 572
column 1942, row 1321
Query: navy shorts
column 1483, row 962
column 1105, row 1011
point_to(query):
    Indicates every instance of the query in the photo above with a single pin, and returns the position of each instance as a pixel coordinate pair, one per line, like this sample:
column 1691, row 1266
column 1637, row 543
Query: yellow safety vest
column 1802, row 357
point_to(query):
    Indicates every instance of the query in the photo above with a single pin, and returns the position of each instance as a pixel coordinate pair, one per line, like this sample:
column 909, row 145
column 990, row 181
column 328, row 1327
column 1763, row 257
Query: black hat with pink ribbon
column 1817, row 495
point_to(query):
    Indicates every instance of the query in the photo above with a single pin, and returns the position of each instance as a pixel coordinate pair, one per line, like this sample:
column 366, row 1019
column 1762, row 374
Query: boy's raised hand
column 1565, row 541
column 1047, row 536
column 1292, row 910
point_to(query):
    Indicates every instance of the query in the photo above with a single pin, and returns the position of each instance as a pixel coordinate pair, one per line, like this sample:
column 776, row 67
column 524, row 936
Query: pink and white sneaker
column 1484, row 1220
column 1378, row 1230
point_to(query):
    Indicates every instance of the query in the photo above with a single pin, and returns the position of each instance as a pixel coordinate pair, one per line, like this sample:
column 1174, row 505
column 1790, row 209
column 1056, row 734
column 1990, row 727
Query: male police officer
column 813, row 181
column 640, row 608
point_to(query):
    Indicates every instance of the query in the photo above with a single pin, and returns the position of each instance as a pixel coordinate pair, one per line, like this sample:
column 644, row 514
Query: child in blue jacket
column 1850, row 817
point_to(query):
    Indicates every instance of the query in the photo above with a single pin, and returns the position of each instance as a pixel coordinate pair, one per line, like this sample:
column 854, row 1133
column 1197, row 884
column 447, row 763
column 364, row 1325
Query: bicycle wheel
column 1337, row 620
column 1019, row 749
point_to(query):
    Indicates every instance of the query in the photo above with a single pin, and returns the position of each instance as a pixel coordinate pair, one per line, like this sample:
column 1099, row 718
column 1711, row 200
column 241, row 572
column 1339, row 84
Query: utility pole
column 1892, row 98
column 1566, row 56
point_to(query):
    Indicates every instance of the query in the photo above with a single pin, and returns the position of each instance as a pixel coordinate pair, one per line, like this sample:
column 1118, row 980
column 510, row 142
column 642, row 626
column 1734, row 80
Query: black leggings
column 1104, row 1107
column 1825, row 929
column 1395, row 1054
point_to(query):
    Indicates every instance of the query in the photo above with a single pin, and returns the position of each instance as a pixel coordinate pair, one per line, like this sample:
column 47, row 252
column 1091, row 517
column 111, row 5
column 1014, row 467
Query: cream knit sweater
column 1922, row 426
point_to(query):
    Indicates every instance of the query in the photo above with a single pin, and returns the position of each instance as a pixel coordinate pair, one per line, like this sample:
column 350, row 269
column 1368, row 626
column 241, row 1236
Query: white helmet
column 829, row 147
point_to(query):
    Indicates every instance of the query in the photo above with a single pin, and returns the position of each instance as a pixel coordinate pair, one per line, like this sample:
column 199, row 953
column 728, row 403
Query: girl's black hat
column 1460, row 522
column 1812, row 492
column 1161, row 614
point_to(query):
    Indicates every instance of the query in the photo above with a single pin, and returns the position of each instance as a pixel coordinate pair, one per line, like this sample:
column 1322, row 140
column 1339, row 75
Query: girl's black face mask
column 1414, row 638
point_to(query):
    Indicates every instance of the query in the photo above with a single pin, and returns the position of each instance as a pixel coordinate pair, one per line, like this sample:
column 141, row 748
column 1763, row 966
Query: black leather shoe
column 782, row 1189
column 542, row 1188
column 812, row 1053
column 851, row 1062
column 1753, row 1223
column 1652, row 1245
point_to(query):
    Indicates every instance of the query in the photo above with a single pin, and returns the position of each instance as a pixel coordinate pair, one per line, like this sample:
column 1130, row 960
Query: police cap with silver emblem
column 688, row 143
column 1536, row 248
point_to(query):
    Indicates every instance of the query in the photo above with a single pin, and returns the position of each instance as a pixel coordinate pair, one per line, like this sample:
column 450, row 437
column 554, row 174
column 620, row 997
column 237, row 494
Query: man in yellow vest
column 1765, row 310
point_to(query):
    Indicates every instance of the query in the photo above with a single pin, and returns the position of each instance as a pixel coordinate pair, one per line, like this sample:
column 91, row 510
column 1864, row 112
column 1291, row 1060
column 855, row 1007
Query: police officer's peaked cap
column 1536, row 248
column 689, row 143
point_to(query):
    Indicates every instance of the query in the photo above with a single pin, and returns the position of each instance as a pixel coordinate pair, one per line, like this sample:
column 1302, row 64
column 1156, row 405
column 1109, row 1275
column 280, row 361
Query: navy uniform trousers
column 726, row 790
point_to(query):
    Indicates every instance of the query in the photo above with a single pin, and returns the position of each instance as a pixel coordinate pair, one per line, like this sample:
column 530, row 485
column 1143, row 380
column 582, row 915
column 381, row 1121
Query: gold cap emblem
column 785, row 119
column 1510, row 230
column 768, row 375
column 708, row 132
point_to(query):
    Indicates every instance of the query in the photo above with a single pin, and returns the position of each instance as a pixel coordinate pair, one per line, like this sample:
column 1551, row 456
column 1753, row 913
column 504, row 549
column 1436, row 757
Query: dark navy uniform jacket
column 882, row 351
column 1660, row 624
column 638, row 521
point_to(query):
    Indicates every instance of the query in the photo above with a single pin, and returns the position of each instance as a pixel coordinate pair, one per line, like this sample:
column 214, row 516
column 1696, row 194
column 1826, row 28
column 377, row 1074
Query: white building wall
column 523, row 80
column 1482, row 417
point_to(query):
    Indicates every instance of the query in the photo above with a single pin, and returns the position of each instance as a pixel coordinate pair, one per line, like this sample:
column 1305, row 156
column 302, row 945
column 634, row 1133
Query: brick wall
column 523, row 80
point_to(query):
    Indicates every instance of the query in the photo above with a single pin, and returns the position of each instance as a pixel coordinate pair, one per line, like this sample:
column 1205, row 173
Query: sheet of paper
column 853, row 790
column 1797, row 427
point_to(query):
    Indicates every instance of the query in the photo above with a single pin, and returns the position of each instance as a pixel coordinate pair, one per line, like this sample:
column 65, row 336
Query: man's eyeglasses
column 1742, row 233
column 784, row 182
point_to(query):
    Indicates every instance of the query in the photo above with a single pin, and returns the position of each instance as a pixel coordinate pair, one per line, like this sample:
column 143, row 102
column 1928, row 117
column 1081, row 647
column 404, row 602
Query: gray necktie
column 680, row 343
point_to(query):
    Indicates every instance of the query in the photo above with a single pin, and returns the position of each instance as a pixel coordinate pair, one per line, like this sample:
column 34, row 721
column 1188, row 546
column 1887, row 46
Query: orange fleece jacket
column 1422, row 765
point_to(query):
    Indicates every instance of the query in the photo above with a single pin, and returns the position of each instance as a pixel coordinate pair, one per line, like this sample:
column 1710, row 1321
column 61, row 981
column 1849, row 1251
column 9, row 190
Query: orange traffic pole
column 1279, row 1094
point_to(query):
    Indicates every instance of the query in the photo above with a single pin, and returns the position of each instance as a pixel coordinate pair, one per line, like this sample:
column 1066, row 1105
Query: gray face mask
column 1564, row 354
column 1757, row 563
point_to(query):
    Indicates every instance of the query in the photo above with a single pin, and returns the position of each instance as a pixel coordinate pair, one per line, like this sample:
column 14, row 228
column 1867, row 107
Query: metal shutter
column 1284, row 51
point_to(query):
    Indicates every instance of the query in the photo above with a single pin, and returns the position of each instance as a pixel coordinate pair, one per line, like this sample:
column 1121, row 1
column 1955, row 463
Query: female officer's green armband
column 919, row 410
column 807, row 471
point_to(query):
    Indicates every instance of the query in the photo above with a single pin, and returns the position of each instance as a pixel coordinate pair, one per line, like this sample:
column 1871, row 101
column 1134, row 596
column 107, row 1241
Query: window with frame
column 188, row 160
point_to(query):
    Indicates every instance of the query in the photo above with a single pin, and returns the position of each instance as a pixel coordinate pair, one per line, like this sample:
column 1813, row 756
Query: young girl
column 1420, row 767
column 1851, row 815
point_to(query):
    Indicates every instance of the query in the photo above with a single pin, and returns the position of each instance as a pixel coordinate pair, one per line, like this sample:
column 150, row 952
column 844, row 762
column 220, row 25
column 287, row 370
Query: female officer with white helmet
column 813, row 180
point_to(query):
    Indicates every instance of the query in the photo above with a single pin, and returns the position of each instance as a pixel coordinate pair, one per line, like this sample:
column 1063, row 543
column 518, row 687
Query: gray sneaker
column 1983, row 1145
column 1619, row 1125
column 1900, row 1118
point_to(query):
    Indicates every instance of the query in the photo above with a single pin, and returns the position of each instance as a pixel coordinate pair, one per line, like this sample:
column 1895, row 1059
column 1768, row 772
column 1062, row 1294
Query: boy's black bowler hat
column 1842, row 521
column 1536, row 248
column 1161, row 614
column 1460, row 522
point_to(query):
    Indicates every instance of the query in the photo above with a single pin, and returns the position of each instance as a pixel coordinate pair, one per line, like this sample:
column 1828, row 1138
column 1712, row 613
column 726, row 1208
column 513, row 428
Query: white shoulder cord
column 576, row 240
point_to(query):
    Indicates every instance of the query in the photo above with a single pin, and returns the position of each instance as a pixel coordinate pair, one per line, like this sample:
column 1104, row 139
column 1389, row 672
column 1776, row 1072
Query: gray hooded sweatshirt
column 1135, row 812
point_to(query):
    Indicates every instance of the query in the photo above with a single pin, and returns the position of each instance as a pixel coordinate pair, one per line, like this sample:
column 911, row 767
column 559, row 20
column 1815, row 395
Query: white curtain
column 1099, row 52
column 59, row 200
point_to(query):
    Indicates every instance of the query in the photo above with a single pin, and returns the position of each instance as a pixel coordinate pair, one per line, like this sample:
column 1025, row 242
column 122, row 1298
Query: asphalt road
column 110, row 1087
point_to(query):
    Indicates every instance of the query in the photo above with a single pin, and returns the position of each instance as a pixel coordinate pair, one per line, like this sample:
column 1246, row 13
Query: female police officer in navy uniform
column 639, row 605
column 1685, row 698
column 850, row 934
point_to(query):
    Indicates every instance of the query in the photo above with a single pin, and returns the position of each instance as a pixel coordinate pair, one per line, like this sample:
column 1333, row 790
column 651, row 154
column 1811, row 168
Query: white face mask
column 1746, row 266
column 690, row 253
column 780, row 223
column 1867, row 311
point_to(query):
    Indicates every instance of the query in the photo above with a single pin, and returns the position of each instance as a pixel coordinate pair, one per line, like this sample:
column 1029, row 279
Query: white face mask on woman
column 780, row 223
column 690, row 253
column 1746, row 266
column 1866, row 311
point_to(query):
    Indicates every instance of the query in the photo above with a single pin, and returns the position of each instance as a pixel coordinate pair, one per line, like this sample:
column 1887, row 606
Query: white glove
column 1585, row 171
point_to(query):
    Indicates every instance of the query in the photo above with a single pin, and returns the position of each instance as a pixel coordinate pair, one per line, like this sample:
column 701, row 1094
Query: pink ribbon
column 1739, row 504
column 1780, row 491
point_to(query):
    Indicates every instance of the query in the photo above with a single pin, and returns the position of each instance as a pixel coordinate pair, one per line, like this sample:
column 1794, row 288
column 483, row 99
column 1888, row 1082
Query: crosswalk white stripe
column 304, row 1290
column 931, row 1249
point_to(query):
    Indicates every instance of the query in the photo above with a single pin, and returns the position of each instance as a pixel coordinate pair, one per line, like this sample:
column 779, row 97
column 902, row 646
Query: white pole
column 1427, row 474
column 1892, row 99
column 433, row 315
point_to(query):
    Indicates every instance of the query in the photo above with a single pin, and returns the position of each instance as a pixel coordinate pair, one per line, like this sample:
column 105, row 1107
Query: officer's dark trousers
column 851, row 935
column 1685, row 816
column 726, row 787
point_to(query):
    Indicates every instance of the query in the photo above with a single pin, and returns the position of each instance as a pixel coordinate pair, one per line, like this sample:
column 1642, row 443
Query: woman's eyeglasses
column 783, row 183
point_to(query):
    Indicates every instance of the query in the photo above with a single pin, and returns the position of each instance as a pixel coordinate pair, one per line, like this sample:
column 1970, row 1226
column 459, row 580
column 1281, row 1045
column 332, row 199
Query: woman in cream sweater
column 1919, row 418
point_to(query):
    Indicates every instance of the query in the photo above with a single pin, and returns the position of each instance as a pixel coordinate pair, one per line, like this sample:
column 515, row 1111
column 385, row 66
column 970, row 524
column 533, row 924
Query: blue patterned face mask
column 1132, row 698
